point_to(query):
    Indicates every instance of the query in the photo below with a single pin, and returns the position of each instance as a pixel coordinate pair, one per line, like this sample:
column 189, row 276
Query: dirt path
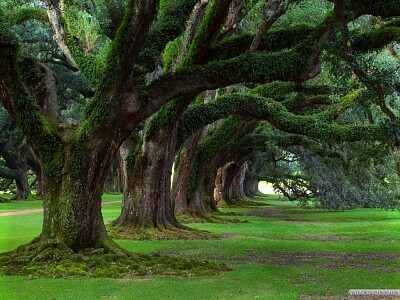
column 29, row 211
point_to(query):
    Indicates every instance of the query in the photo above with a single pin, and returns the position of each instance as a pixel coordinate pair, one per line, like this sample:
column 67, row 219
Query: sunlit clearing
column 265, row 187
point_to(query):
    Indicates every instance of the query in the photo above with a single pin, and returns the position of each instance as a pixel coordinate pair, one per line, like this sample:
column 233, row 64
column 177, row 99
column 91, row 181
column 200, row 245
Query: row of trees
column 208, row 88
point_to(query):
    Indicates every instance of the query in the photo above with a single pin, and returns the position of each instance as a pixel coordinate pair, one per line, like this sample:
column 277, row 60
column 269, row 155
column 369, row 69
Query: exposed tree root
column 132, row 232
column 53, row 258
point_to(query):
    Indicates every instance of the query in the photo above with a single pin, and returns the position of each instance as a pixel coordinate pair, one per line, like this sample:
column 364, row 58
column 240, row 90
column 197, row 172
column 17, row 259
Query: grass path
column 38, row 210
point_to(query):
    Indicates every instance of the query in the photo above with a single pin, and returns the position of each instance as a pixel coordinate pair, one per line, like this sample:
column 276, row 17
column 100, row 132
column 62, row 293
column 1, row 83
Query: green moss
column 275, row 40
column 52, row 259
column 41, row 132
column 171, row 53
column 277, row 114
column 91, row 66
column 30, row 13
column 164, row 117
column 276, row 89
column 375, row 39
column 167, row 27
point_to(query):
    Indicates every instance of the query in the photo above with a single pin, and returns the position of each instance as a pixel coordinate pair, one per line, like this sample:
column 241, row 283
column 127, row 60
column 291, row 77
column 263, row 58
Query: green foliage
column 8, row 43
column 352, row 178
column 86, row 28
column 377, row 8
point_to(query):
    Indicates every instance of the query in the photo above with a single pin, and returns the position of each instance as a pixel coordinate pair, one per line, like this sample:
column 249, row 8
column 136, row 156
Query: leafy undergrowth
column 51, row 258
column 133, row 233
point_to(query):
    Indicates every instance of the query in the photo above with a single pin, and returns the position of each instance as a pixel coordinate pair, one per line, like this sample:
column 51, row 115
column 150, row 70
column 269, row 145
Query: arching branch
column 278, row 116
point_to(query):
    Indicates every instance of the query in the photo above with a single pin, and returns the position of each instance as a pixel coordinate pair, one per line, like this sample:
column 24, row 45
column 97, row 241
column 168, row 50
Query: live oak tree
column 116, row 58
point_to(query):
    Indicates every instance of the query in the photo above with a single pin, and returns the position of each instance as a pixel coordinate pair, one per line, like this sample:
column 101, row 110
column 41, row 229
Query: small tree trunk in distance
column 113, row 182
column 16, row 159
column 34, row 165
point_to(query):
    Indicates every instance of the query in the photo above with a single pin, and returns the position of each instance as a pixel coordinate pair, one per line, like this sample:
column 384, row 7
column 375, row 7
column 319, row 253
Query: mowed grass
column 280, row 252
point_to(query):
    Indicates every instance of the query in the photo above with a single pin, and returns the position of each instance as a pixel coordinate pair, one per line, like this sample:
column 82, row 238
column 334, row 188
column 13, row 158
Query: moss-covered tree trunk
column 236, row 189
column 250, row 184
column 147, row 199
column 72, row 198
column 196, row 206
column 224, row 179
column 183, row 168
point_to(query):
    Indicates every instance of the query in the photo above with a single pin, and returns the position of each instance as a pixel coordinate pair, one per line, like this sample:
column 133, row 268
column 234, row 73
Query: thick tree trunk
column 209, row 185
column 236, row 190
column 147, row 184
column 199, row 204
column 226, row 175
column 72, row 198
column 250, row 184
column 182, row 172
column 201, row 200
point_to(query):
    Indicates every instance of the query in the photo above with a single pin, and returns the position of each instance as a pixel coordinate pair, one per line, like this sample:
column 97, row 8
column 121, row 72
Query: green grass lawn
column 281, row 252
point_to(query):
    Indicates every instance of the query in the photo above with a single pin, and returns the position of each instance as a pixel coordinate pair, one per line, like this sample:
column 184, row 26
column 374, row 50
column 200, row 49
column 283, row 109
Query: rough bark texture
column 147, row 183
column 236, row 189
column 250, row 184
column 72, row 203
column 223, row 183
column 182, row 172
